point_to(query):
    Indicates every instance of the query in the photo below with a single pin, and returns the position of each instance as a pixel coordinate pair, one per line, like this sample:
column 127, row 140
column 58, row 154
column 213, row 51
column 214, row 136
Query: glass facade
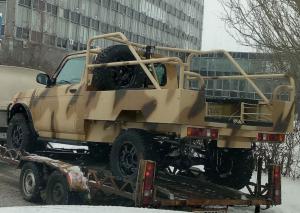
column 69, row 23
column 218, row 65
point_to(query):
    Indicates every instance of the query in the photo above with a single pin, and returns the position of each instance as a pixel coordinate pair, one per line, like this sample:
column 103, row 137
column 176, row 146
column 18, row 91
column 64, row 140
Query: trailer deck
column 156, row 189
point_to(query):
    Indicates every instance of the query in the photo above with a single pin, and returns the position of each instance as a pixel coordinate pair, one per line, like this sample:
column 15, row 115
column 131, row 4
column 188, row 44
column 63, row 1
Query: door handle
column 73, row 91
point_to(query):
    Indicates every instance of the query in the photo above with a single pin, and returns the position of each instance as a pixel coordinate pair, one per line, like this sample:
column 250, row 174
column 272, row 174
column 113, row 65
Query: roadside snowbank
column 79, row 209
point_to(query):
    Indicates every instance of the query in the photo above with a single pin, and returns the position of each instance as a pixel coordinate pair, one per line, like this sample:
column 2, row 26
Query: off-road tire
column 241, row 169
column 141, row 141
column 104, row 77
column 27, row 136
column 31, row 175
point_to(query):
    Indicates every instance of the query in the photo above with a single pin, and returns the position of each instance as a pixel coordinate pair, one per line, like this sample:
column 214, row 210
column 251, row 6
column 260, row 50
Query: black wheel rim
column 123, row 76
column 128, row 159
column 58, row 193
column 17, row 136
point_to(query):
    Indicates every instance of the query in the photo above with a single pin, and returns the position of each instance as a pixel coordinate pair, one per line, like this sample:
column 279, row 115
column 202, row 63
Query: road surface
column 9, row 187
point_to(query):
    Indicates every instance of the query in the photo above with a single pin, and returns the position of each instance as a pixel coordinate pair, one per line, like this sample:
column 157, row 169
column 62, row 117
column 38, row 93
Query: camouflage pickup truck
column 131, row 103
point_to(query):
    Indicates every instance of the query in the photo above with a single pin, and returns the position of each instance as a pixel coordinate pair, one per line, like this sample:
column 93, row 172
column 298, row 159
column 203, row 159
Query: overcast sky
column 215, row 35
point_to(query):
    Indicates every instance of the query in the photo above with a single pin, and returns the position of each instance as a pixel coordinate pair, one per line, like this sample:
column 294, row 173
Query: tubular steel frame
column 121, row 38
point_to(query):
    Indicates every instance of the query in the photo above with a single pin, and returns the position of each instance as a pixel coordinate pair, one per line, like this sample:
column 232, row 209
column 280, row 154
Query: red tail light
column 203, row 133
column 266, row 137
column 275, row 184
column 148, row 188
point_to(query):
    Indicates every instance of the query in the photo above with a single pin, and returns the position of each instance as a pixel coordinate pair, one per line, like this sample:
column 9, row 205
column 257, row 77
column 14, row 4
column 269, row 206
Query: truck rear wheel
column 31, row 182
column 129, row 148
column 230, row 167
column 20, row 135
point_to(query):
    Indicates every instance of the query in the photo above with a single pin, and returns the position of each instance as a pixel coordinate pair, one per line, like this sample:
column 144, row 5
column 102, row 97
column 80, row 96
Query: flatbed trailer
column 153, row 189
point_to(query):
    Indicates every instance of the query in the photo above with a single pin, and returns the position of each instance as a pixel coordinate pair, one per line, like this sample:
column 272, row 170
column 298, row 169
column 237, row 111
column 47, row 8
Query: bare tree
column 271, row 26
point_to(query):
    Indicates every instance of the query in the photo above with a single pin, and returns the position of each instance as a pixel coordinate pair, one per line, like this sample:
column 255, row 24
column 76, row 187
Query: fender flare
column 12, row 109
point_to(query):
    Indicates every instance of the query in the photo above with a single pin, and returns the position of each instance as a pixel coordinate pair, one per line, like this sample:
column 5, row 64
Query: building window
column 49, row 39
column 42, row 5
column 26, row 3
column 61, row 42
column 36, row 36
column 52, row 9
column 49, row 9
column 114, row 5
column 75, row 17
column 35, row 4
column 122, row 9
column 106, row 3
column 82, row 46
column 104, row 27
column 85, row 21
column 95, row 24
column 75, row 46
column 66, row 14
column 129, row 12
column 22, row 33
column 19, row 32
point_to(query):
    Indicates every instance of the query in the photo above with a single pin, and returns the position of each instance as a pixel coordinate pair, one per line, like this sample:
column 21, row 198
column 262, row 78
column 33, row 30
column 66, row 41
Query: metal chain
column 10, row 156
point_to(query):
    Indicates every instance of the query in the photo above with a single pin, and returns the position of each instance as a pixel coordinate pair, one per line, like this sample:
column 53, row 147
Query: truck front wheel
column 20, row 135
column 129, row 148
column 230, row 167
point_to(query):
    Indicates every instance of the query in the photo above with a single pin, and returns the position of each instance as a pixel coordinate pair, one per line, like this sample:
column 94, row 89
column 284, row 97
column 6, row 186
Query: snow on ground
column 290, row 198
column 79, row 209
column 290, row 204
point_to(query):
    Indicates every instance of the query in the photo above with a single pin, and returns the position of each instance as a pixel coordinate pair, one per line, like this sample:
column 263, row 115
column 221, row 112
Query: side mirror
column 43, row 78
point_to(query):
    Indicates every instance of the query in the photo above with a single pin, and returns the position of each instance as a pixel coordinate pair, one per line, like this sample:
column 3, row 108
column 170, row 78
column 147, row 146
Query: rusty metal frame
column 10, row 156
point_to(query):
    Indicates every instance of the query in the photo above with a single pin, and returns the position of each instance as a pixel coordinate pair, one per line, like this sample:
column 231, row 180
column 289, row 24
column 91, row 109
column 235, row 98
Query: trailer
column 58, row 182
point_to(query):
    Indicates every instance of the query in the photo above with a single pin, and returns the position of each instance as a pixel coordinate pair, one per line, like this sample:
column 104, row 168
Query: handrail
column 198, row 76
column 236, row 65
column 121, row 38
column 185, row 67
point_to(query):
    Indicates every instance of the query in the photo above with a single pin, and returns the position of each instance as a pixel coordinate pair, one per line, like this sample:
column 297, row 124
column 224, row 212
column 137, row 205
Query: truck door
column 59, row 117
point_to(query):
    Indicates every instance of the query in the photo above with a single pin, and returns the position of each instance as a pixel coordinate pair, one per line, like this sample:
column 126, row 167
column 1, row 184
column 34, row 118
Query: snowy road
column 9, row 187
column 10, row 195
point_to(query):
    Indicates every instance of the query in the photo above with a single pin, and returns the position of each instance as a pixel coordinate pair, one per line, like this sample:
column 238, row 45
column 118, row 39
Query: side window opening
column 161, row 73
column 72, row 71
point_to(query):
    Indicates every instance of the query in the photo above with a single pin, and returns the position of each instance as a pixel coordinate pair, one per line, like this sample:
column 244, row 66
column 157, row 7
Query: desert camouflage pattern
column 99, row 116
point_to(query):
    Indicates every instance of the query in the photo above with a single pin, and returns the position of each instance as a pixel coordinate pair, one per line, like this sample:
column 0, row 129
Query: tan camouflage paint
column 99, row 116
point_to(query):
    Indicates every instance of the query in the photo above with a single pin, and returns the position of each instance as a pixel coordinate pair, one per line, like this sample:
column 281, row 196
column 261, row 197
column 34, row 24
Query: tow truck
column 46, row 177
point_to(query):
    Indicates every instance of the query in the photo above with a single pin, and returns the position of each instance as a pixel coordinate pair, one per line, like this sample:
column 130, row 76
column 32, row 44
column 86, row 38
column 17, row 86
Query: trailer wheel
column 20, row 135
column 31, row 182
column 230, row 167
column 114, row 78
column 129, row 148
column 57, row 190
column 58, row 193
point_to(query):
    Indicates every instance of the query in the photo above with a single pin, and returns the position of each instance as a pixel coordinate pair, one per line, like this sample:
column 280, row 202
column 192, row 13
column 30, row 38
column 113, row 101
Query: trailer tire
column 20, row 135
column 58, row 193
column 241, row 168
column 114, row 78
column 129, row 148
column 57, row 190
column 31, row 182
